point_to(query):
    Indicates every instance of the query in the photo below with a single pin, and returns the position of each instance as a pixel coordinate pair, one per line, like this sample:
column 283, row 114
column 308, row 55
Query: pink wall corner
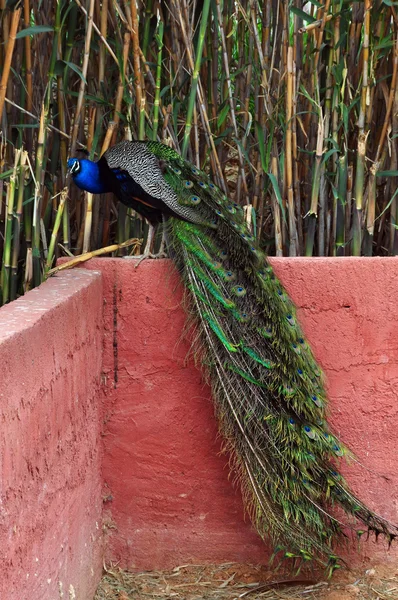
column 50, row 451
column 170, row 499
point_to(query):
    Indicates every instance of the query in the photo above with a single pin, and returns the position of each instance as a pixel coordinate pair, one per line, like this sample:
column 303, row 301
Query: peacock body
column 267, row 388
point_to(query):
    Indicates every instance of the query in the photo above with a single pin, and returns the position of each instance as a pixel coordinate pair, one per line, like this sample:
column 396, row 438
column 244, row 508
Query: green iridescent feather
column 268, row 389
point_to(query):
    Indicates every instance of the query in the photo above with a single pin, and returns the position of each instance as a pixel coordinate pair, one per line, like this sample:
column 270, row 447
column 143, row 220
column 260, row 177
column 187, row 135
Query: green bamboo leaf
column 345, row 116
column 227, row 131
column 261, row 145
column 387, row 206
column 304, row 92
column 26, row 125
column 33, row 31
column 223, row 115
column 328, row 154
column 6, row 174
column 386, row 43
column 302, row 14
column 90, row 97
column 60, row 67
column 387, row 174
column 277, row 193
column 235, row 74
column 333, row 142
column 164, row 90
column 243, row 150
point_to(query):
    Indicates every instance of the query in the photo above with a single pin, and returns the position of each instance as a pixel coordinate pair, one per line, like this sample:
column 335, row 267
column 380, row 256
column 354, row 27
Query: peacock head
column 86, row 175
column 73, row 166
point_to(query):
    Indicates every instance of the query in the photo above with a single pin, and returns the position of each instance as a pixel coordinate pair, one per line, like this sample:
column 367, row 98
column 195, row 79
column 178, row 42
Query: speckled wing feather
column 135, row 159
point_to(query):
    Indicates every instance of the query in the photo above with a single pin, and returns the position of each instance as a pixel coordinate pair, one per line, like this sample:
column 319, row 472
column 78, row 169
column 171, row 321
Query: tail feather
column 267, row 387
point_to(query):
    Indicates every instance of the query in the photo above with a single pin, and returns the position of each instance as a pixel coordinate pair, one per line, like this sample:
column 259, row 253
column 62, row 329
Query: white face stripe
column 75, row 168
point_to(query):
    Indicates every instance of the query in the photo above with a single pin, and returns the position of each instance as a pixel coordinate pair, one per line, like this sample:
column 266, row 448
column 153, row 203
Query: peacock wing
column 135, row 160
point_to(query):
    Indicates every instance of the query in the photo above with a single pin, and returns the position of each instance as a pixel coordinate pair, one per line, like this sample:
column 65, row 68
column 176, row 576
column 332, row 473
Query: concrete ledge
column 50, row 452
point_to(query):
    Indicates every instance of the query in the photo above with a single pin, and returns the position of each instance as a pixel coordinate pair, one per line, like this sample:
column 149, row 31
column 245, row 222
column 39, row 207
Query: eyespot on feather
column 309, row 432
column 229, row 276
column 239, row 291
column 244, row 317
column 317, row 401
column 337, row 450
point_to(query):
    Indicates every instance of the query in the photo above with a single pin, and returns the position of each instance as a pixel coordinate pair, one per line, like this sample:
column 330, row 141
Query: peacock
column 268, row 390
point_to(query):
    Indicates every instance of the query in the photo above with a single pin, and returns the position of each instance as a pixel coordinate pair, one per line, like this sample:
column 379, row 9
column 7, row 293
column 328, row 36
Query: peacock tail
column 268, row 390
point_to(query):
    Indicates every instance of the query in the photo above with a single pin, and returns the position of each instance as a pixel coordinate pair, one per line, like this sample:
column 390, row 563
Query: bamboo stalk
column 88, row 222
column 390, row 102
column 195, row 76
column 6, row 265
column 315, row 24
column 8, row 57
column 17, row 226
column 156, row 103
column 349, row 207
column 139, row 91
column 39, row 179
column 362, row 137
column 288, row 155
column 371, row 212
column 340, row 212
column 313, row 212
column 77, row 260
column 54, row 235
column 230, row 96
column 277, row 212
column 104, row 31
column 205, row 121
column 28, row 60
column 80, row 99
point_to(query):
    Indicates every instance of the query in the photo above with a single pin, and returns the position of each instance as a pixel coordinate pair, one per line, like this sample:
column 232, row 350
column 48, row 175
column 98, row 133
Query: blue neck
column 89, row 178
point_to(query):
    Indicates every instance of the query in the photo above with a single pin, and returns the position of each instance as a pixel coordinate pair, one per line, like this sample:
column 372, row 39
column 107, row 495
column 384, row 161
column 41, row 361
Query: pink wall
column 50, row 451
column 79, row 356
column 169, row 495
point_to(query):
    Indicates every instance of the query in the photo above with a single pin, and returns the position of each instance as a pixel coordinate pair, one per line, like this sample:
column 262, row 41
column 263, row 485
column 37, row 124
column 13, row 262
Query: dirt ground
column 232, row 582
